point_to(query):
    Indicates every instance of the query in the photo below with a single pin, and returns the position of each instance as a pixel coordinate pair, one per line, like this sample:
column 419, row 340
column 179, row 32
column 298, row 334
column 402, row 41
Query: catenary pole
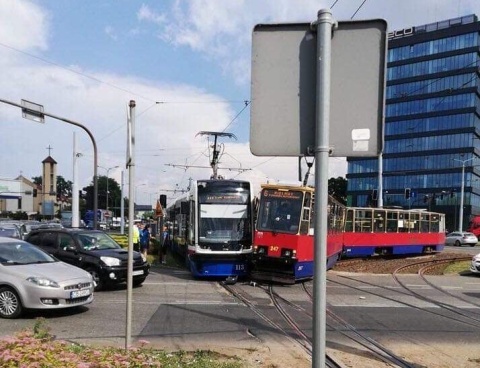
column 324, row 26
column 75, row 186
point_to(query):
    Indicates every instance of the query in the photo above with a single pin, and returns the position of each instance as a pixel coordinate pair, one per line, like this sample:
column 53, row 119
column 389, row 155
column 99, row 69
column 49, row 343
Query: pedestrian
column 165, row 245
column 145, row 240
column 136, row 237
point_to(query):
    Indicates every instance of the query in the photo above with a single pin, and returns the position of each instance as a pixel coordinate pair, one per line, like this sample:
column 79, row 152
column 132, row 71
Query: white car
column 32, row 279
column 475, row 265
column 459, row 238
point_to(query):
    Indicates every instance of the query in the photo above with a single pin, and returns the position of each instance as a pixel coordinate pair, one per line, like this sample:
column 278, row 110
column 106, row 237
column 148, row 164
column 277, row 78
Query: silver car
column 32, row 279
column 459, row 238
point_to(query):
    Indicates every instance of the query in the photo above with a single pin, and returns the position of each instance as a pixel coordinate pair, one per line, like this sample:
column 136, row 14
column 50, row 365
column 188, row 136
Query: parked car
column 459, row 238
column 32, row 279
column 93, row 251
column 10, row 231
column 475, row 265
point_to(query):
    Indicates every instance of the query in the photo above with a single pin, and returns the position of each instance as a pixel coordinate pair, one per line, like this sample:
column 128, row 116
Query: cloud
column 146, row 13
column 217, row 30
column 24, row 25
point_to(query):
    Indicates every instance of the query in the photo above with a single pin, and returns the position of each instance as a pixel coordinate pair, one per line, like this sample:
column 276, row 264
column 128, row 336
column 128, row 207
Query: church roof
column 49, row 160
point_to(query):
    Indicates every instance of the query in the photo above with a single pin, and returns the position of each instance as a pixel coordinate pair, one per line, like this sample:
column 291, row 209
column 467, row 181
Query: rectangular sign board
column 283, row 89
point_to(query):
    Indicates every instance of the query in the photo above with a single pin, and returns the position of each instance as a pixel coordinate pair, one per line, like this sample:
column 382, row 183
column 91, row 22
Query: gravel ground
column 386, row 265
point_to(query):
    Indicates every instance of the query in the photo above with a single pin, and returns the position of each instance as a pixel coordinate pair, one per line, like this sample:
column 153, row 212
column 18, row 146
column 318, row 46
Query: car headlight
column 476, row 258
column 110, row 261
column 43, row 281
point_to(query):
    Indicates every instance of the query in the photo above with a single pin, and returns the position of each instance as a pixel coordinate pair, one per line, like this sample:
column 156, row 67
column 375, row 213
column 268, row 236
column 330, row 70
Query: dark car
column 92, row 250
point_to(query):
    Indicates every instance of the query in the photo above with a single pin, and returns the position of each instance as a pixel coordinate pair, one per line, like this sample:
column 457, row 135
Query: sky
column 187, row 66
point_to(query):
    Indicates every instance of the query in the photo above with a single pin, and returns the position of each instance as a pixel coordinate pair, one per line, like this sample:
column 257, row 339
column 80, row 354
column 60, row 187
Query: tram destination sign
column 283, row 89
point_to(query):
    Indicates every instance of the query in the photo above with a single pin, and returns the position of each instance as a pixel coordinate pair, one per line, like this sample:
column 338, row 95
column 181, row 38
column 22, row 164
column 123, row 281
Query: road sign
column 33, row 111
column 284, row 89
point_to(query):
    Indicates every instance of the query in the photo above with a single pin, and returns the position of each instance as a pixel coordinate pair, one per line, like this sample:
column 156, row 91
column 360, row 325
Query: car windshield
column 97, row 240
column 18, row 252
column 10, row 232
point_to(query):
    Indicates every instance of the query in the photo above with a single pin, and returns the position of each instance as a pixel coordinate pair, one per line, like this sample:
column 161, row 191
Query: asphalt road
column 173, row 311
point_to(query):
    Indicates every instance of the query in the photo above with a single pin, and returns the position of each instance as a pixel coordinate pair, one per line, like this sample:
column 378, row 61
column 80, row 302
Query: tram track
column 424, row 267
column 299, row 337
column 289, row 311
column 373, row 347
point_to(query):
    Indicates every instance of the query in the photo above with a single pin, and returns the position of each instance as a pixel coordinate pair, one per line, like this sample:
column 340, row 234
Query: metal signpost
column 35, row 112
column 306, row 77
column 131, row 213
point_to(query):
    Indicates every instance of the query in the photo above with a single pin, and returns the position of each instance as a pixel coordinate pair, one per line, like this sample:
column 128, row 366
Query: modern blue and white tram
column 212, row 227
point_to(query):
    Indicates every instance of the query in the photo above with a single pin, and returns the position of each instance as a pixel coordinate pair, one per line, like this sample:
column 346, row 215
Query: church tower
column 49, row 185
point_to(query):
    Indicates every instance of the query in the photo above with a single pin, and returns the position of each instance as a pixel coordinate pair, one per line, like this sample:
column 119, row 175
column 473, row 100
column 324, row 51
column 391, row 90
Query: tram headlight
column 289, row 253
column 261, row 250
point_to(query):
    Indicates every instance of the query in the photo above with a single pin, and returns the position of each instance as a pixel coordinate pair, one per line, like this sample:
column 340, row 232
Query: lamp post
column 108, row 170
column 460, row 215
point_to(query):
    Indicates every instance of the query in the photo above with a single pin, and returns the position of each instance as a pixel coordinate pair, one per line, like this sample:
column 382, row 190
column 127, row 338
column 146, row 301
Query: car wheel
column 10, row 304
column 458, row 244
column 99, row 283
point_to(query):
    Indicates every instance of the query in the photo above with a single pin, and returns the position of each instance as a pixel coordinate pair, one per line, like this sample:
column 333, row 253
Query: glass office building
column 432, row 124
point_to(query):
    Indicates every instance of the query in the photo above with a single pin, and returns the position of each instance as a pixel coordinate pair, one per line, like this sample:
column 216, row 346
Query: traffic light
column 408, row 193
column 35, row 192
column 375, row 194
column 425, row 199
column 163, row 200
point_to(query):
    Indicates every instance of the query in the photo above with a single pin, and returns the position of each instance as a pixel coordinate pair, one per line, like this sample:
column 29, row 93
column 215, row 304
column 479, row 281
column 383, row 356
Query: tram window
column 379, row 221
column 349, row 221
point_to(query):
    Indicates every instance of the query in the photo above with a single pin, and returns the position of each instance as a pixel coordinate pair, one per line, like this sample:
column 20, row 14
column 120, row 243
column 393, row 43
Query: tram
column 392, row 231
column 283, row 248
column 212, row 227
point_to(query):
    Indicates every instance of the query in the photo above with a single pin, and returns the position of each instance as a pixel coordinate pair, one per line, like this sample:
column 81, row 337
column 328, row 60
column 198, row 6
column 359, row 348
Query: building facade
column 17, row 195
column 432, row 124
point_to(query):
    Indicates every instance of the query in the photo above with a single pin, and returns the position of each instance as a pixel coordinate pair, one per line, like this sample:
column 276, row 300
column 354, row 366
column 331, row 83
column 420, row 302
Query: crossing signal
column 408, row 193
column 35, row 192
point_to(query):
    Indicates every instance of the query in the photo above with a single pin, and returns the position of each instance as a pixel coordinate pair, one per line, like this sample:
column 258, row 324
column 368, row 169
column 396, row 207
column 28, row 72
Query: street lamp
column 108, row 170
column 460, row 215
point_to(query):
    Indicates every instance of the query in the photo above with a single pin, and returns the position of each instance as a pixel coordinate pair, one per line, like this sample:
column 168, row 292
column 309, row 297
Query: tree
column 114, row 194
column 64, row 187
column 37, row 180
column 337, row 188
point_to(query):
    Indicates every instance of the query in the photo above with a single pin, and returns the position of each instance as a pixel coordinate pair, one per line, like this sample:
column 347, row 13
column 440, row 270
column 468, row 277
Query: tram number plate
column 239, row 267
column 79, row 293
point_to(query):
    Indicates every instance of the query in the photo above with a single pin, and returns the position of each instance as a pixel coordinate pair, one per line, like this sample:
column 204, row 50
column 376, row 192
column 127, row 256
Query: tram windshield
column 224, row 220
column 280, row 211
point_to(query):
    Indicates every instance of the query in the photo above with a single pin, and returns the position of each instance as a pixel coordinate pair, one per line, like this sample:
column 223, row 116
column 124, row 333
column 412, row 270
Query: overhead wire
column 360, row 7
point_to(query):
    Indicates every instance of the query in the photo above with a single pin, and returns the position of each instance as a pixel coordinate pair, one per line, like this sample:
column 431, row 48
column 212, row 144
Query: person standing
column 165, row 244
column 145, row 240
column 136, row 238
